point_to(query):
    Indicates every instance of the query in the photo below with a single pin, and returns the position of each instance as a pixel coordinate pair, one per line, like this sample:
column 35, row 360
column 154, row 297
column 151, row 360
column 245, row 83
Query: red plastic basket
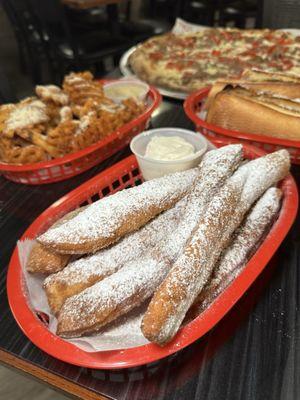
column 124, row 174
column 73, row 164
column 218, row 135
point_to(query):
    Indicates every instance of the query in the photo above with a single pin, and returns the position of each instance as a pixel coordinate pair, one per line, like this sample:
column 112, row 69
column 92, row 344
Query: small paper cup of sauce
column 124, row 89
column 152, row 168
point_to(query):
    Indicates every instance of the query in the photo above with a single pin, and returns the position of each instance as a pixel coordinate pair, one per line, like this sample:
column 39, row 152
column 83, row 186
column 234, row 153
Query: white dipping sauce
column 169, row 148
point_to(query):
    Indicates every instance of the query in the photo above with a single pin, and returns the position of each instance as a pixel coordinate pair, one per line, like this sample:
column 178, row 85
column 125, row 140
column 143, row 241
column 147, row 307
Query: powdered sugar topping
column 53, row 93
column 224, row 214
column 102, row 218
column 85, row 122
column 141, row 277
column 248, row 234
column 26, row 114
column 65, row 114
column 131, row 247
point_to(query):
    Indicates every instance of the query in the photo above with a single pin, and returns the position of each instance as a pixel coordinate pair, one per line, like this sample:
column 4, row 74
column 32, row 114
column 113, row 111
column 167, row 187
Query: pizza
column 190, row 61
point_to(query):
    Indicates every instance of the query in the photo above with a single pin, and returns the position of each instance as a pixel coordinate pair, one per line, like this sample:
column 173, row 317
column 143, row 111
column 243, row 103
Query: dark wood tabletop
column 252, row 354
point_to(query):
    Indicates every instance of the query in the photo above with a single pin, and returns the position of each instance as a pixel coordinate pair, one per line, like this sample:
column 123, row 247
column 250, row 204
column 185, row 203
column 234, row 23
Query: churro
column 193, row 268
column 107, row 220
column 45, row 261
column 84, row 272
column 244, row 243
column 137, row 280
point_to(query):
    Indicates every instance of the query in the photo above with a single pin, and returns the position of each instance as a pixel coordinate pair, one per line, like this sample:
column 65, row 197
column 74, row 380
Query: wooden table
column 85, row 4
column 252, row 354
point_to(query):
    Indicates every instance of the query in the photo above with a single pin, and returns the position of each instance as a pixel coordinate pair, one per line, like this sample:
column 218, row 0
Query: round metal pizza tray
column 127, row 71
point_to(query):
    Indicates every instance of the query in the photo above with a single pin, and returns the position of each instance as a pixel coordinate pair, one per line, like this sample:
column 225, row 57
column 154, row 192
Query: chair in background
column 102, row 16
column 199, row 11
column 152, row 20
column 218, row 12
column 87, row 19
column 281, row 14
column 75, row 49
column 160, row 13
column 239, row 12
column 17, row 32
column 6, row 92
column 29, row 37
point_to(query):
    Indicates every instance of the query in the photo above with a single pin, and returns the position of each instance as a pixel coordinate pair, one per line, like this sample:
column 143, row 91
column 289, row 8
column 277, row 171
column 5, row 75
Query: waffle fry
column 60, row 121
column 62, row 136
column 94, row 105
column 18, row 151
column 52, row 94
column 5, row 112
column 42, row 141
column 80, row 87
column 87, row 132
column 65, row 114
column 27, row 115
column 55, row 100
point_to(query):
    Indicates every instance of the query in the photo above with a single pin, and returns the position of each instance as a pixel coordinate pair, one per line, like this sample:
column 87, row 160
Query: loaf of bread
column 260, row 103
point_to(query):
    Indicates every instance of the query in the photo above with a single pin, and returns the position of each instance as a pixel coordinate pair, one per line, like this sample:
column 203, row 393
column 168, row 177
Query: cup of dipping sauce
column 164, row 151
column 123, row 89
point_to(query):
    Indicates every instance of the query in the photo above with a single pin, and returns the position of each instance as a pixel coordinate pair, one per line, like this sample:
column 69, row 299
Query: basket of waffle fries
column 146, row 269
column 62, row 132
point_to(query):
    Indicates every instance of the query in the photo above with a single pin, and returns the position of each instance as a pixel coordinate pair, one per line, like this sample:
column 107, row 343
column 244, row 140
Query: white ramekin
column 152, row 168
column 143, row 88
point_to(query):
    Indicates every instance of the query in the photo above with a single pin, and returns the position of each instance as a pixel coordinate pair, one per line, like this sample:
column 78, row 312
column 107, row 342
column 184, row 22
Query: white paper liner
column 124, row 333
column 181, row 26
column 202, row 114
column 132, row 79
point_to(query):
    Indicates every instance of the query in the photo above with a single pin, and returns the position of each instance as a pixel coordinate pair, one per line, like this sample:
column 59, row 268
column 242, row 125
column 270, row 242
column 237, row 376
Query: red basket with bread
column 185, row 247
column 62, row 132
column 260, row 108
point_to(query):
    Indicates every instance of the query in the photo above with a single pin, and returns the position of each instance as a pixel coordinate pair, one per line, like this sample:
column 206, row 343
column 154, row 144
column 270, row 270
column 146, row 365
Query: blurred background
column 42, row 40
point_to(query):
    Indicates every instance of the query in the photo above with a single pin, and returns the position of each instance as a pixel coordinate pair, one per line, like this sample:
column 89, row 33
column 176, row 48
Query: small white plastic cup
column 142, row 87
column 152, row 168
